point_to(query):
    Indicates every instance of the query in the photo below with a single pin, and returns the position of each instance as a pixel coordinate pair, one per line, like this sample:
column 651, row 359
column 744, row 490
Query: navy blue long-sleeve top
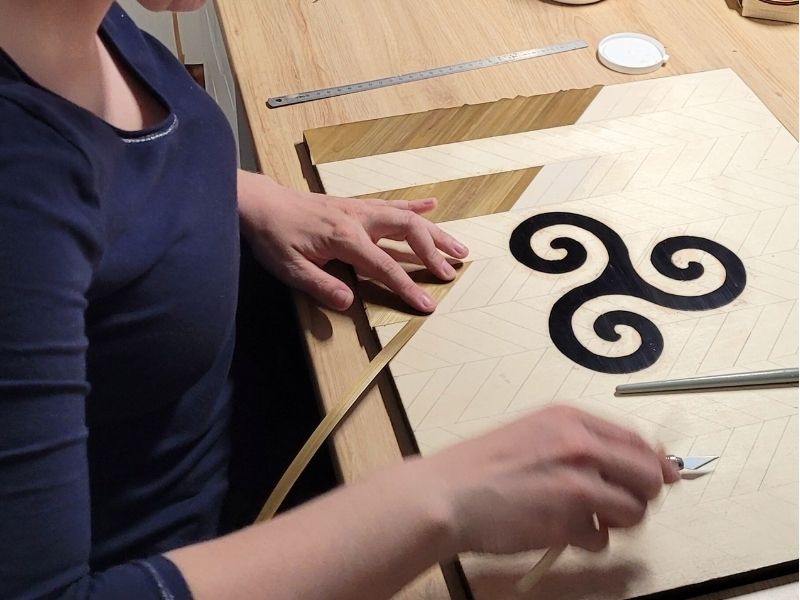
column 119, row 262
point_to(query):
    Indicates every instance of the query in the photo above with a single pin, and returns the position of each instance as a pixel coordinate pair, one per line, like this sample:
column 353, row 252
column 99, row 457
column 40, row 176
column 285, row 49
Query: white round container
column 631, row 53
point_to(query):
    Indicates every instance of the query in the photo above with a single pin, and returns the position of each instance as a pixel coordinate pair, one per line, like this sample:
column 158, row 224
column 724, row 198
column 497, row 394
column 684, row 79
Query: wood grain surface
column 467, row 197
column 447, row 125
column 283, row 46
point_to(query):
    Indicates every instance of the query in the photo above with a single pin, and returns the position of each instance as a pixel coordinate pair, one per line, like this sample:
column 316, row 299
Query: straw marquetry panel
column 447, row 125
column 468, row 197
column 385, row 308
column 692, row 157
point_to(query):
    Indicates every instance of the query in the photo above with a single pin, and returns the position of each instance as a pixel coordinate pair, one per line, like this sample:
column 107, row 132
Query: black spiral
column 620, row 278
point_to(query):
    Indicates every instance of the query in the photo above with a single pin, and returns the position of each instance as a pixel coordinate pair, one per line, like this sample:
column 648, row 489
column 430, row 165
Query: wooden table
column 282, row 46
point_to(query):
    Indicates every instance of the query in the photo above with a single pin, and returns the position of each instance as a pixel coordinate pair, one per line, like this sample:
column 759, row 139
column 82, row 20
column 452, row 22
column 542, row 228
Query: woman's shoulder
column 48, row 181
column 34, row 130
column 28, row 117
column 43, row 135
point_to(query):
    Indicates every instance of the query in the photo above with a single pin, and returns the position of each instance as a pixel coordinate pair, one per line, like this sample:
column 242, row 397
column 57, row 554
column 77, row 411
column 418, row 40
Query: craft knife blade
column 691, row 463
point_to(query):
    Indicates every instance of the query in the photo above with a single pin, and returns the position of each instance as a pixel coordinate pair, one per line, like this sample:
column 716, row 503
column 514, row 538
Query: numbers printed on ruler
column 373, row 84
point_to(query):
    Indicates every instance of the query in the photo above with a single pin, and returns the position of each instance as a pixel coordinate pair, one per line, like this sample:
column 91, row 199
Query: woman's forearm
column 555, row 477
column 362, row 541
column 251, row 190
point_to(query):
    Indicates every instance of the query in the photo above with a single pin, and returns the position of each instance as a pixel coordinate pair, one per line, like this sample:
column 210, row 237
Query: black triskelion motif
column 620, row 277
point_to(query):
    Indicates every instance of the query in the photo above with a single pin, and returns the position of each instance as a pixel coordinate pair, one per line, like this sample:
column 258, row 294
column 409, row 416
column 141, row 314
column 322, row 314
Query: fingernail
column 426, row 301
column 448, row 269
column 460, row 248
column 341, row 298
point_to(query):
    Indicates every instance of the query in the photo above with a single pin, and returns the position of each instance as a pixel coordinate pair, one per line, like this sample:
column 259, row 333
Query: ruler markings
column 373, row 84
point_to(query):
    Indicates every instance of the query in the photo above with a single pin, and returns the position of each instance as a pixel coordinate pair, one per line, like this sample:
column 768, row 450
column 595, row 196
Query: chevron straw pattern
column 713, row 116
column 690, row 155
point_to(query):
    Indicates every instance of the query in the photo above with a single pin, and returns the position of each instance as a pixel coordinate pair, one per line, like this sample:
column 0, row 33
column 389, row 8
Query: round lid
column 631, row 53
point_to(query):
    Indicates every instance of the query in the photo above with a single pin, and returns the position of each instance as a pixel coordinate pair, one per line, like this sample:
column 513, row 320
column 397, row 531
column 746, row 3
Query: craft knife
column 526, row 583
column 692, row 463
column 363, row 86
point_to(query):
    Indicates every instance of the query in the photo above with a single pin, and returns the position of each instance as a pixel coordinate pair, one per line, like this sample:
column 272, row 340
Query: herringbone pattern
column 681, row 125
column 691, row 155
column 492, row 326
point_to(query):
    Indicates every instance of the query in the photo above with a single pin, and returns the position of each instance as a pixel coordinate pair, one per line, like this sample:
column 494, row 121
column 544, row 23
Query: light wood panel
column 780, row 10
column 447, row 125
column 680, row 113
column 467, row 197
column 690, row 155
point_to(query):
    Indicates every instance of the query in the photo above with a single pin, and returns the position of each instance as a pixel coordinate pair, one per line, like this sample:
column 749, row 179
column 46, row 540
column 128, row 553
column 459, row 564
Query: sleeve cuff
column 167, row 578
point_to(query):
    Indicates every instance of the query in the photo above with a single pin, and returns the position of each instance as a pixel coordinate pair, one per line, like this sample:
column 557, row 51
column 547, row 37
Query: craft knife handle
column 675, row 460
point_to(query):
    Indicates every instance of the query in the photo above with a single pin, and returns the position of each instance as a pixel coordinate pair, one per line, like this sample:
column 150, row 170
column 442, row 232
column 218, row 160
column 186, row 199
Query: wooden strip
column 384, row 307
column 458, row 199
column 468, row 197
column 334, row 417
column 447, row 125
column 539, row 570
column 176, row 29
column 339, row 360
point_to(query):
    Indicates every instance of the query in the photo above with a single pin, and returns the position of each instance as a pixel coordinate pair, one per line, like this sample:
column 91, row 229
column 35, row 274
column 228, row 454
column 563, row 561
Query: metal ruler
column 374, row 84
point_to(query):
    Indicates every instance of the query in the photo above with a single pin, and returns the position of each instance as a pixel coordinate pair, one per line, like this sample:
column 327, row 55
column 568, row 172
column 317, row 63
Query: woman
column 119, row 257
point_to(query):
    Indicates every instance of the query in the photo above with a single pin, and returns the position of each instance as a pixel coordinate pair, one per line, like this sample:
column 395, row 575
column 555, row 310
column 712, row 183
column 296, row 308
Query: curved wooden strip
column 333, row 418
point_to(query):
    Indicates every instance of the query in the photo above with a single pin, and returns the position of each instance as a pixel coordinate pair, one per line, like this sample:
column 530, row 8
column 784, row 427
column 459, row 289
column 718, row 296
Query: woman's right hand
column 540, row 481
column 534, row 483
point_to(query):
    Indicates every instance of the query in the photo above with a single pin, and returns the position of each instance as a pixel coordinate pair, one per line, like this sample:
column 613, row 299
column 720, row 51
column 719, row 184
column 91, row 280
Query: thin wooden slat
column 447, row 125
column 468, row 197
column 334, row 417
column 527, row 583
column 458, row 199
column 384, row 307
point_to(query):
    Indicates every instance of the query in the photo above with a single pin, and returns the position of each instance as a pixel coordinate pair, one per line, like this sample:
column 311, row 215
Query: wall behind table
column 201, row 43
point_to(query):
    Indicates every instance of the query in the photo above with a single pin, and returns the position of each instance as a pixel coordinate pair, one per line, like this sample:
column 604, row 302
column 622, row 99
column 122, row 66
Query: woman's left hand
column 294, row 234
